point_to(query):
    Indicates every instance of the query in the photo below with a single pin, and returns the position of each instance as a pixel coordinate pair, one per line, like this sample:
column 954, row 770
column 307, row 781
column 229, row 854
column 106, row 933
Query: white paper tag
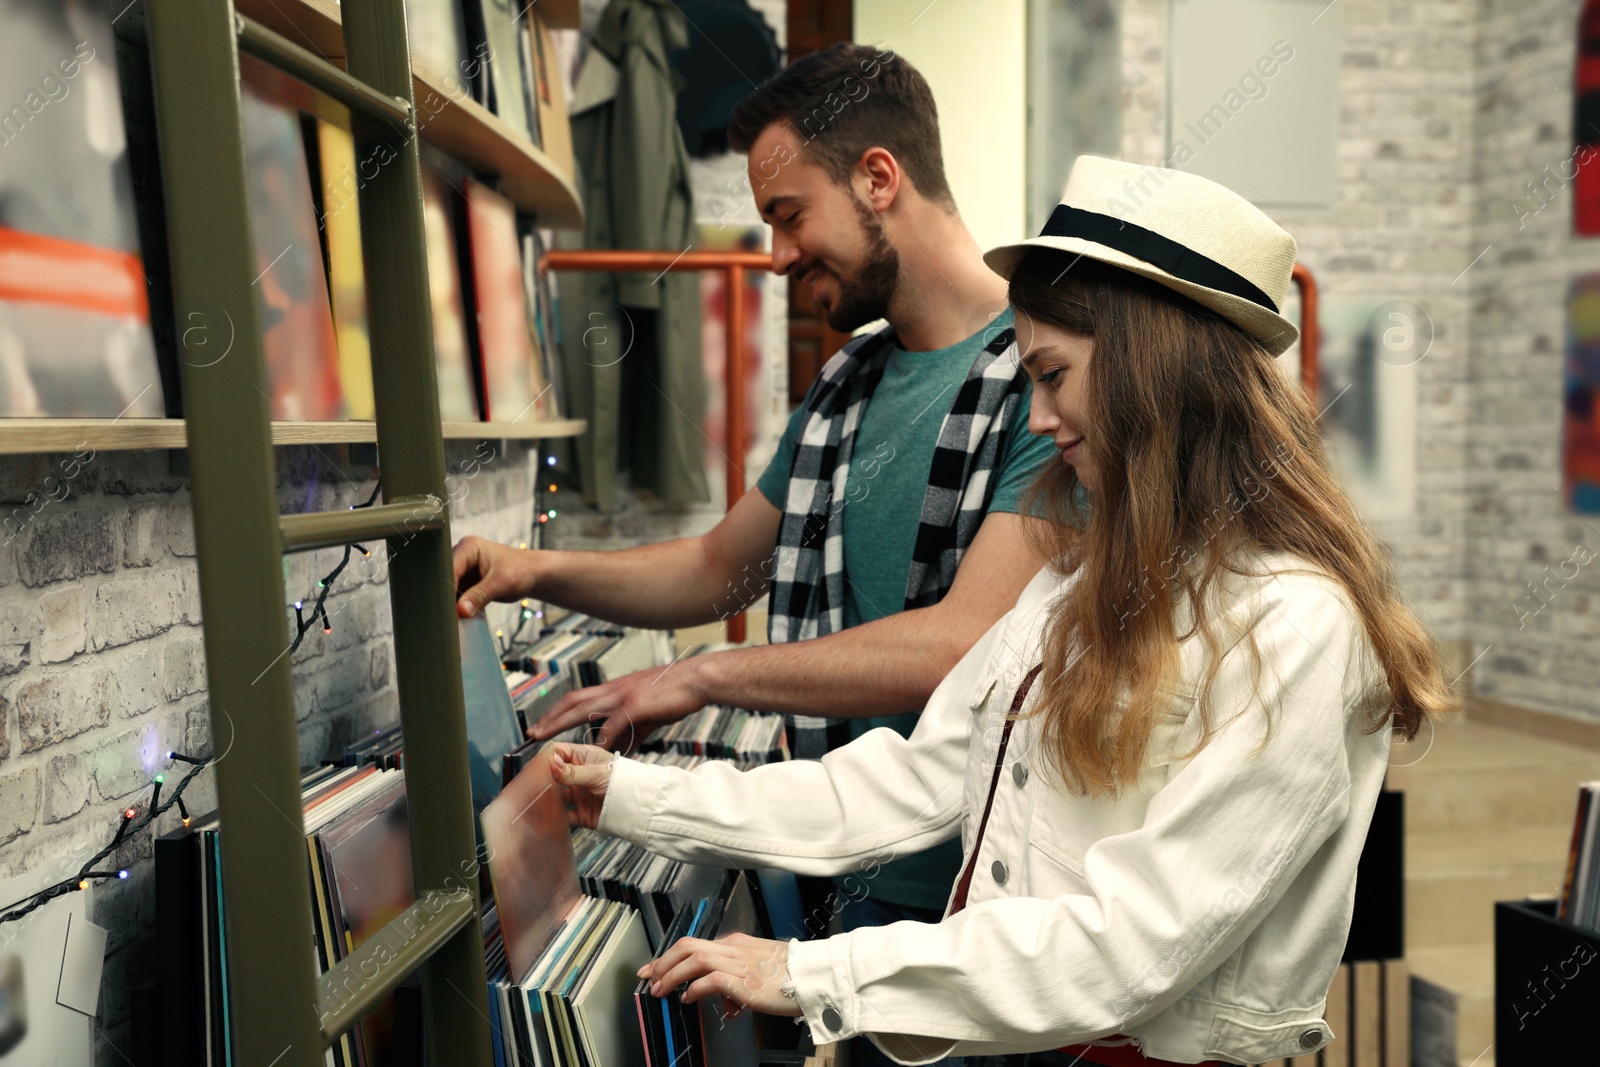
column 81, row 964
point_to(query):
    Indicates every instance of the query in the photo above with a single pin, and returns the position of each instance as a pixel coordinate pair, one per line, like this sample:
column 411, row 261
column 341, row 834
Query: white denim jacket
column 1201, row 913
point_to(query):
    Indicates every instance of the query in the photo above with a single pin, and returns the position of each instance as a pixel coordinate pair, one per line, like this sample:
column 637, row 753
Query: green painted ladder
column 283, row 1014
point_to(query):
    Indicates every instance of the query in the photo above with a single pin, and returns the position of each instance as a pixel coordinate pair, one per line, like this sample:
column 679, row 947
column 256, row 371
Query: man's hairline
column 948, row 206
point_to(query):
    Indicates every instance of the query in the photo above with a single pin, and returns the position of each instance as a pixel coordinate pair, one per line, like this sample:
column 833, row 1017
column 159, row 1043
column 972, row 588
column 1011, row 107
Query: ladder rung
column 318, row 73
column 324, row 529
column 356, row 984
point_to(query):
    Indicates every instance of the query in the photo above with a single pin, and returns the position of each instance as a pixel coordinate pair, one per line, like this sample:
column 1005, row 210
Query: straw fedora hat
column 1183, row 231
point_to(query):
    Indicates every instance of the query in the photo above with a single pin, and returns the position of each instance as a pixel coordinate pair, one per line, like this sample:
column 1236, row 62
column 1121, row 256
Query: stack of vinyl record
column 572, row 1009
column 358, row 842
column 748, row 738
column 588, row 655
column 1580, row 889
column 535, row 694
column 613, row 869
column 383, row 748
column 705, row 1034
column 657, row 886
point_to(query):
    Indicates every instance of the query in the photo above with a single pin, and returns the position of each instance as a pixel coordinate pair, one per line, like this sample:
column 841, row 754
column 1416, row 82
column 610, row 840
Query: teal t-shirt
column 884, row 491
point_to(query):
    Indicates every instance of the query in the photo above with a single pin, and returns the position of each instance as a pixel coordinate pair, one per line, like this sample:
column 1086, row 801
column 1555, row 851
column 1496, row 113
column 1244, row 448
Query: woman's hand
column 582, row 772
column 747, row 972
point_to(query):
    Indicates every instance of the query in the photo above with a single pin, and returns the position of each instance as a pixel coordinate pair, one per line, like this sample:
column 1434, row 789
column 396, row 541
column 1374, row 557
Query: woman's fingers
column 718, row 983
column 743, row 971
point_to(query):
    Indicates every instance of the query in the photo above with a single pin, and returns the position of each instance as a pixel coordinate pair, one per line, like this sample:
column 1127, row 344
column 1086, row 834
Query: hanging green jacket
column 631, row 342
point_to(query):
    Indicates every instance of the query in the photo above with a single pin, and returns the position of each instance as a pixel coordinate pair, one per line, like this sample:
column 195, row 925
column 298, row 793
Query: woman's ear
column 877, row 178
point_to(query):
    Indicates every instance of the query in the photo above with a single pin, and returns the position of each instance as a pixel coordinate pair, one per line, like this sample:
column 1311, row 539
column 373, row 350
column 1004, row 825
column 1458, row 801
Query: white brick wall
column 1448, row 109
column 1517, row 525
column 102, row 665
column 1400, row 227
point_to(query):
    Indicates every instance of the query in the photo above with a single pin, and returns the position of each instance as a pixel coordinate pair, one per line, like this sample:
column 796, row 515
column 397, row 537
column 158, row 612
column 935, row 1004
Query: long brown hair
column 1207, row 453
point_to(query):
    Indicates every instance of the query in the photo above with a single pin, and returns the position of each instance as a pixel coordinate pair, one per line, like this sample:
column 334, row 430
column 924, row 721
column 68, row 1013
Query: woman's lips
column 1066, row 450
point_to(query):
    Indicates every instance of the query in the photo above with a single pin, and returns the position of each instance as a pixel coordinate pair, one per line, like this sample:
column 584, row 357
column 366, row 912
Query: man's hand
column 582, row 772
column 622, row 713
column 486, row 570
column 747, row 972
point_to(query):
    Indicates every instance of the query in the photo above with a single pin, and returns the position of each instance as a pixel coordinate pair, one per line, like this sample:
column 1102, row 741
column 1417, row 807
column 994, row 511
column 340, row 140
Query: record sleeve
column 297, row 335
column 531, row 865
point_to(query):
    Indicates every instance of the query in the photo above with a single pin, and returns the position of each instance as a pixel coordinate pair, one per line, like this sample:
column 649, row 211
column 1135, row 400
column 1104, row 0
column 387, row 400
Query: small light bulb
column 522, row 544
column 538, row 614
column 84, row 884
column 130, row 813
column 499, row 633
column 298, row 604
column 527, row 614
column 550, row 460
column 123, row 875
column 552, row 487
column 552, row 513
column 161, row 778
column 544, row 518
column 526, row 602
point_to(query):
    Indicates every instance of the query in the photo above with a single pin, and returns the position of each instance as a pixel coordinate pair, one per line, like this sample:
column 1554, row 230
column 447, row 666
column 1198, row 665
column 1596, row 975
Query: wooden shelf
column 30, row 436
column 446, row 114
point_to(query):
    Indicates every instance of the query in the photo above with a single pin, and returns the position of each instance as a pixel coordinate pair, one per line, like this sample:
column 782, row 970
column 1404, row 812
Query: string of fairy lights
column 132, row 822
column 132, row 819
column 303, row 622
column 527, row 611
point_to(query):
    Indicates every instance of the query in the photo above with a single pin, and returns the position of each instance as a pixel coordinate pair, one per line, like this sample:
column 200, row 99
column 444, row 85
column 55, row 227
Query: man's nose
column 785, row 254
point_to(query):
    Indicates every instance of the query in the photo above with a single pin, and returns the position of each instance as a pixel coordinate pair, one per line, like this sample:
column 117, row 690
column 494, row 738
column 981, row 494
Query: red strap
column 1000, row 757
column 1101, row 1055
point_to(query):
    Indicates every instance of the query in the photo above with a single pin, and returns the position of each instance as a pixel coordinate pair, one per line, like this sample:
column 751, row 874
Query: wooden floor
column 1488, row 817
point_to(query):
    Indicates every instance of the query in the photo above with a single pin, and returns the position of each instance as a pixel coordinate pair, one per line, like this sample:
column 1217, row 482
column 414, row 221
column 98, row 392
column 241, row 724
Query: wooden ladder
column 282, row 1013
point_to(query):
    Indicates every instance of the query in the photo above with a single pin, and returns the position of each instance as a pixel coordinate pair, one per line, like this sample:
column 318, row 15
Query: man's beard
column 865, row 297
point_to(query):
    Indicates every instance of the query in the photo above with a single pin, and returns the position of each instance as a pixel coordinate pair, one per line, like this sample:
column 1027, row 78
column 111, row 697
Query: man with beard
column 887, row 527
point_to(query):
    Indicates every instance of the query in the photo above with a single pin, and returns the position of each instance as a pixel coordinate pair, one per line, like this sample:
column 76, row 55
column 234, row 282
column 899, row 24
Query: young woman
column 1163, row 762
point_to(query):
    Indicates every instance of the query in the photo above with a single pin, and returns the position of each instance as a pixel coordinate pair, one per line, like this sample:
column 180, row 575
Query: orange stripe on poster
column 47, row 270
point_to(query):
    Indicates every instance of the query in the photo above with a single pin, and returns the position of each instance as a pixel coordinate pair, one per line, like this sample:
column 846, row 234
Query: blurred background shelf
column 27, row 436
column 446, row 113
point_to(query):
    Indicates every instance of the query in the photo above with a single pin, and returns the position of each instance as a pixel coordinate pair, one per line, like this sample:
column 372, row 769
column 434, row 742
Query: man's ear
column 878, row 178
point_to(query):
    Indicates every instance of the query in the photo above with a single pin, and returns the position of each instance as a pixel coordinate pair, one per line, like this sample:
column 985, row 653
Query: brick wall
column 1519, row 531
column 102, row 669
column 1401, row 226
column 1455, row 128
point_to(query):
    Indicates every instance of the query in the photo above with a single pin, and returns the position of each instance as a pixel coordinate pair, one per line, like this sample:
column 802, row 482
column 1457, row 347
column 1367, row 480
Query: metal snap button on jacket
column 831, row 1019
column 1019, row 773
column 998, row 869
column 1311, row 1038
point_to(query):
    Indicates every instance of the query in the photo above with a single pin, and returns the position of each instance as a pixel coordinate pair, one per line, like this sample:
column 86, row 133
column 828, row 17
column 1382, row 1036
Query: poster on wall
column 1367, row 394
column 1586, row 124
column 1580, row 420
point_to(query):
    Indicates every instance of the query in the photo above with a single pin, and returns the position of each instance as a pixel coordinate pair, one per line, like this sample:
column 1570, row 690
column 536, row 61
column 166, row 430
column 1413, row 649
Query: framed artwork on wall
column 1580, row 418
column 1367, row 394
